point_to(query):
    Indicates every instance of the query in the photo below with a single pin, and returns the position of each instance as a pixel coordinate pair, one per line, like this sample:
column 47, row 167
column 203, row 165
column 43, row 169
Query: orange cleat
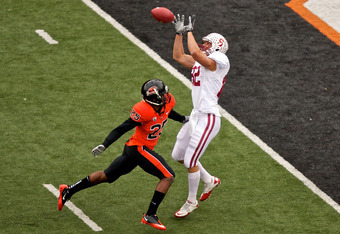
column 153, row 221
column 64, row 196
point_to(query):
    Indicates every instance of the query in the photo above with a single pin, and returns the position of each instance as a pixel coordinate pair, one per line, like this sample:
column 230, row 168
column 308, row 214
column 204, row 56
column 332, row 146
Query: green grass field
column 60, row 101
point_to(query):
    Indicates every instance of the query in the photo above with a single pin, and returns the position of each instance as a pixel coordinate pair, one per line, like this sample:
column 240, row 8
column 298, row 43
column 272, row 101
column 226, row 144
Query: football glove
column 98, row 150
column 186, row 119
column 179, row 25
column 190, row 26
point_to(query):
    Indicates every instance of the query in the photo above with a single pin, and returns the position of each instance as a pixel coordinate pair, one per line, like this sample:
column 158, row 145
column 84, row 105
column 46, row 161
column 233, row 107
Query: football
column 162, row 14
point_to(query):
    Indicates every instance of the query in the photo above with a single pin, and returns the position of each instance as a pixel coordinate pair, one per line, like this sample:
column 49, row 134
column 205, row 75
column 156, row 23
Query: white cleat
column 208, row 188
column 186, row 209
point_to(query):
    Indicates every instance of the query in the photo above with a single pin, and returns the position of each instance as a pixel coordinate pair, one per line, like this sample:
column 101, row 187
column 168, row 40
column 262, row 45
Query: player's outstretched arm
column 114, row 135
column 178, row 50
column 178, row 117
column 198, row 55
column 194, row 50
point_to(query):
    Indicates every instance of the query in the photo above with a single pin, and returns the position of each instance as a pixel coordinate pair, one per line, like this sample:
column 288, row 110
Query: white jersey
column 207, row 85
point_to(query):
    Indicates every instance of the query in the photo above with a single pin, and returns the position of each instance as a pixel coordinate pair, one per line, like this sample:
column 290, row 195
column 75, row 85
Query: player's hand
column 98, row 150
column 179, row 24
column 186, row 119
column 191, row 24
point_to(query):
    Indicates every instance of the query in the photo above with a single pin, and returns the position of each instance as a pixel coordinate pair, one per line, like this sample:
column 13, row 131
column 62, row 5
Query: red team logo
column 220, row 42
column 195, row 72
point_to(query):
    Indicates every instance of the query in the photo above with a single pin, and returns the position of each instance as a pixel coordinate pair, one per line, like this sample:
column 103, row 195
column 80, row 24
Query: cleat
column 64, row 195
column 186, row 209
column 153, row 221
column 208, row 188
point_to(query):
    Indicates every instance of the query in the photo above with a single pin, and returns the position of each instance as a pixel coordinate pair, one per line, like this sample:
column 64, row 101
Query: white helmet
column 218, row 43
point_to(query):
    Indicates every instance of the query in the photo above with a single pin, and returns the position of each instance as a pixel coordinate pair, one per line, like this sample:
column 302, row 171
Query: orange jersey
column 152, row 123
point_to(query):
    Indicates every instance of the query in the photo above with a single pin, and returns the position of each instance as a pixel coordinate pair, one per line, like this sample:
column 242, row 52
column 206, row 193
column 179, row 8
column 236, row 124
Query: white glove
column 186, row 119
column 191, row 24
column 179, row 24
column 98, row 150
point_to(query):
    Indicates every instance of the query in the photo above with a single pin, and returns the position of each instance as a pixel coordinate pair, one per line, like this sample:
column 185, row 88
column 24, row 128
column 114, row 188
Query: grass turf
column 60, row 101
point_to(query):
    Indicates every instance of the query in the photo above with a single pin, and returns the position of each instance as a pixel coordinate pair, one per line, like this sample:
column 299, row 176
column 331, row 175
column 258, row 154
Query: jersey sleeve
column 176, row 116
column 116, row 133
column 172, row 100
column 220, row 58
column 141, row 112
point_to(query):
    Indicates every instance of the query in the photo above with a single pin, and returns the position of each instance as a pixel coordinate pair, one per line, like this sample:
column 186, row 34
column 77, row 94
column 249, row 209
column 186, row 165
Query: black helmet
column 155, row 92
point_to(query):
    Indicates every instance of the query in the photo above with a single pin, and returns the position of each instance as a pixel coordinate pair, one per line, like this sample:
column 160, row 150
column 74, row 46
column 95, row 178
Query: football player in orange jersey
column 148, row 117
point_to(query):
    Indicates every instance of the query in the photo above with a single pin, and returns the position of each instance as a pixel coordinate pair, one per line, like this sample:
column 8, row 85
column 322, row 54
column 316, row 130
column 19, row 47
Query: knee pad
column 176, row 154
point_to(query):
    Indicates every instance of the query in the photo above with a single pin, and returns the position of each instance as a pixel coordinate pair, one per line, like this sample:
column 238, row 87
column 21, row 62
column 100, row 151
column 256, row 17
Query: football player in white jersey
column 209, row 66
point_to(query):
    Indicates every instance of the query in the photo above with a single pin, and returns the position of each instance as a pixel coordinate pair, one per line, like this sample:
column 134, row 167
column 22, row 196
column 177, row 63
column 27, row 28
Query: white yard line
column 225, row 114
column 46, row 36
column 78, row 212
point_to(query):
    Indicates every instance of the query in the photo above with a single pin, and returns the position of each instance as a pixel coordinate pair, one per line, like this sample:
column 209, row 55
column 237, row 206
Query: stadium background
column 283, row 84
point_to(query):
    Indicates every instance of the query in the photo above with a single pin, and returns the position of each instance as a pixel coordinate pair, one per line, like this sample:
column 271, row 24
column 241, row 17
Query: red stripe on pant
column 154, row 161
column 203, row 140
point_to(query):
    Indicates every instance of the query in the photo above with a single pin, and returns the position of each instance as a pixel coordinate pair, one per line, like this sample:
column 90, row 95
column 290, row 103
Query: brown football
column 162, row 14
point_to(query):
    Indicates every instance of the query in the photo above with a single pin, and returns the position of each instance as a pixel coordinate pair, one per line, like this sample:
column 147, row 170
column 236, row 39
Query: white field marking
column 224, row 113
column 46, row 36
column 78, row 212
column 327, row 10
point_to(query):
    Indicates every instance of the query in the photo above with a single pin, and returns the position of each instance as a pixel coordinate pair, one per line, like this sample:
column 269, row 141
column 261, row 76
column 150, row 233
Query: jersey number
column 157, row 130
column 134, row 115
column 195, row 72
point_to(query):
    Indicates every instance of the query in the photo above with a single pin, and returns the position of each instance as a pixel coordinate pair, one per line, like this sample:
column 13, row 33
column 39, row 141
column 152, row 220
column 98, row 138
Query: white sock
column 205, row 176
column 194, row 180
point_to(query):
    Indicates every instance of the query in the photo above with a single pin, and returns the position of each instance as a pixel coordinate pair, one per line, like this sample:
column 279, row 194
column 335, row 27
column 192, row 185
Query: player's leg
column 66, row 191
column 154, row 164
column 210, row 182
column 118, row 167
column 206, row 129
column 182, row 140
column 191, row 203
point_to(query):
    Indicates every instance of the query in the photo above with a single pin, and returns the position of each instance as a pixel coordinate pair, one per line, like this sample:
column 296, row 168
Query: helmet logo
column 220, row 42
column 152, row 90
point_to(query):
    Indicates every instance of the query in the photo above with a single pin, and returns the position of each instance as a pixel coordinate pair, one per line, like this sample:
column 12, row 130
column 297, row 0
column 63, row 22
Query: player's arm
column 178, row 117
column 114, row 135
column 179, row 55
column 178, row 50
column 198, row 55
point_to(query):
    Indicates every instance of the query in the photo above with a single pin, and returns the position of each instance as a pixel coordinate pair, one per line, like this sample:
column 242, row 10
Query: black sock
column 80, row 185
column 156, row 200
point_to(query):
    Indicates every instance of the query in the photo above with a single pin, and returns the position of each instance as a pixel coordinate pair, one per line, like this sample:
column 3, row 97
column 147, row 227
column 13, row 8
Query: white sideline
column 225, row 114
column 78, row 212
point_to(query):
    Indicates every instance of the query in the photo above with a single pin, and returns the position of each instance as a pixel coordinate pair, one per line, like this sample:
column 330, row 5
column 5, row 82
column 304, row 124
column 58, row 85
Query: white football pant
column 194, row 137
